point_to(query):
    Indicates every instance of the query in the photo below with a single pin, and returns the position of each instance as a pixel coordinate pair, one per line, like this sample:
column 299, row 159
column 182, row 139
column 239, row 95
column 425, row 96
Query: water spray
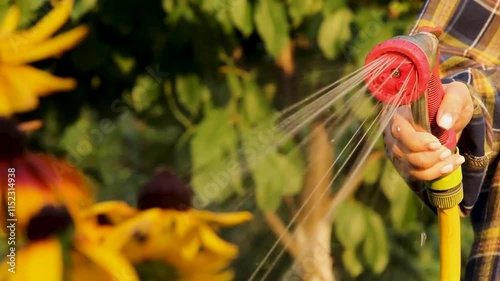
column 412, row 78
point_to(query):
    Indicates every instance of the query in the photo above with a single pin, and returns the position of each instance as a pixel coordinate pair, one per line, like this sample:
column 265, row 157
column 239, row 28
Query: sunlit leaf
column 332, row 5
column 371, row 172
column 375, row 246
column 371, row 30
column 272, row 25
column 364, row 107
column 298, row 9
column 403, row 209
column 28, row 7
column 81, row 8
column 190, row 91
column 351, row 262
column 350, row 224
column 145, row 92
column 124, row 63
column 241, row 15
column 334, row 32
column 216, row 170
column 275, row 172
column 255, row 108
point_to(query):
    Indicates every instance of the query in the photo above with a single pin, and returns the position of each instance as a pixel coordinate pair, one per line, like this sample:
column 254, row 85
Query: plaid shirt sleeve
column 470, row 53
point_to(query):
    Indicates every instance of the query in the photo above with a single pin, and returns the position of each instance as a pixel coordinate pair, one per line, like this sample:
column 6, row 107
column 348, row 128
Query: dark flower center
column 50, row 220
column 165, row 191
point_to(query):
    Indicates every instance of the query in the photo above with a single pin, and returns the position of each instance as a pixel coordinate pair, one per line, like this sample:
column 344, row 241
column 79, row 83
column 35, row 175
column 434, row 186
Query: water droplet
column 423, row 238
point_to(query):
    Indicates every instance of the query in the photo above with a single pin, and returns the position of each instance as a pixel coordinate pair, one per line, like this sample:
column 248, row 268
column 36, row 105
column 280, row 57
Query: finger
column 441, row 169
column 403, row 131
column 427, row 159
column 456, row 100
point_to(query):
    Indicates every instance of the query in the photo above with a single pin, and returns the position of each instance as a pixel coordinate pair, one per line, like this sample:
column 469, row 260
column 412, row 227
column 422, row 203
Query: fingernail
column 460, row 160
column 434, row 145
column 446, row 121
column 445, row 154
column 446, row 169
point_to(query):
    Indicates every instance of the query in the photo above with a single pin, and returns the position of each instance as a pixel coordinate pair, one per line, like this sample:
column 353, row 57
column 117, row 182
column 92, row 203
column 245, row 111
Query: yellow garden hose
column 449, row 247
column 446, row 193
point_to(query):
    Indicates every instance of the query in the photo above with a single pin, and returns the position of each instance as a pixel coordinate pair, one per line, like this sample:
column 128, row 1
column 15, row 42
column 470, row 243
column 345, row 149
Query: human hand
column 419, row 154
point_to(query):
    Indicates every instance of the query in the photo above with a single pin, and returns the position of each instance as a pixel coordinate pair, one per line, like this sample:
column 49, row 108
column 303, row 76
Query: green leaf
column 125, row 64
column 364, row 108
column 241, row 15
column 332, row 5
column 403, row 209
column 216, row 170
column 350, row 224
column 275, row 172
column 190, row 91
column 334, row 32
column 391, row 182
column 375, row 246
column 28, row 8
column 4, row 6
column 372, row 171
column 298, row 9
column 255, row 108
column 81, row 8
column 272, row 25
column 371, row 30
column 145, row 92
column 351, row 262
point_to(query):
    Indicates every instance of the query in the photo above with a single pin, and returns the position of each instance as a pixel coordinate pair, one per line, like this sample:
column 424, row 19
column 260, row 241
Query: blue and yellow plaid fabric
column 470, row 53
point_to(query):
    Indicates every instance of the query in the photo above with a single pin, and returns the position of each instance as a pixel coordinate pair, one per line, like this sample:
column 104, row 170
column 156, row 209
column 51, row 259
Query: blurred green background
column 175, row 83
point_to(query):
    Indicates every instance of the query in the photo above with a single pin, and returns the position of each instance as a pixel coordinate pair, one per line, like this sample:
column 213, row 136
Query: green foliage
column 192, row 85
column 362, row 227
column 334, row 32
column 272, row 25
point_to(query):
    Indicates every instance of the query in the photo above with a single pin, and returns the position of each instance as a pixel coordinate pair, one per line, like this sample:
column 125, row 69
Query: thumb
column 456, row 108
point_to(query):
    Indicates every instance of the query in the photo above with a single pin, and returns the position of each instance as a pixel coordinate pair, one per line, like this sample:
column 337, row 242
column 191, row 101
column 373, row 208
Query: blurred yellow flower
column 20, row 84
column 186, row 241
column 167, row 230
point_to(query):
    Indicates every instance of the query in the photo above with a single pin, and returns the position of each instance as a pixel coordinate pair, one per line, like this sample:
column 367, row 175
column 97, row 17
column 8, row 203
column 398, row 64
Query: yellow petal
column 42, row 82
column 6, row 108
column 42, row 30
column 82, row 268
column 111, row 262
column 22, row 99
column 22, row 54
column 226, row 275
column 224, row 219
column 204, row 262
column 117, row 211
column 212, row 242
column 10, row 20
column 183, row 221
column 122, row 233
column 36, row 259
column 190, row 248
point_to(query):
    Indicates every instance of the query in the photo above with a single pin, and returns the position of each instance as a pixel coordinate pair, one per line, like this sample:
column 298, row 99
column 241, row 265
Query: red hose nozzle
column 410, row 69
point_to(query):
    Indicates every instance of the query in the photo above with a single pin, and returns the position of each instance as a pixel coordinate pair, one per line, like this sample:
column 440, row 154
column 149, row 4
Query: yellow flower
column 21, row 84
column 167, row 230
column 184, row 240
